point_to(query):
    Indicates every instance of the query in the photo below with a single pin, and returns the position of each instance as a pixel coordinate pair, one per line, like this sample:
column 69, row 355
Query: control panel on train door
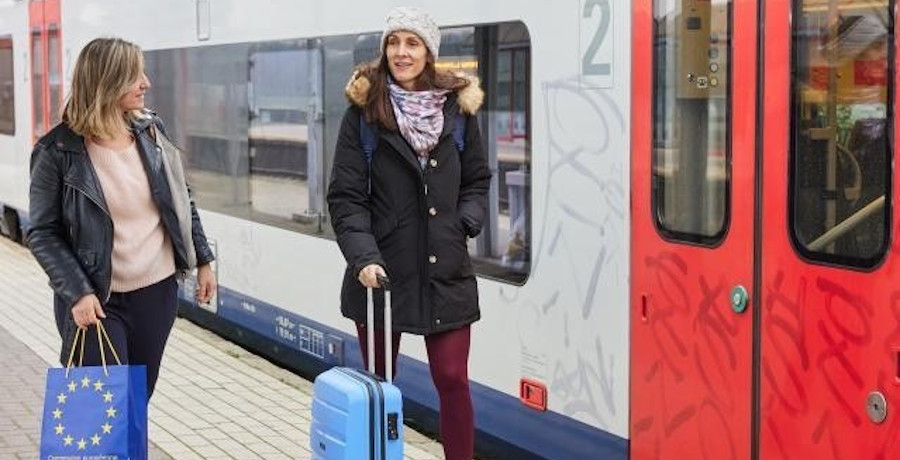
column 702, row 49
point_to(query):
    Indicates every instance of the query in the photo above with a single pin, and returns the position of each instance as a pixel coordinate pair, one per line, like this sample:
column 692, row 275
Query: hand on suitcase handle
column 383, row 281
column 368, row 276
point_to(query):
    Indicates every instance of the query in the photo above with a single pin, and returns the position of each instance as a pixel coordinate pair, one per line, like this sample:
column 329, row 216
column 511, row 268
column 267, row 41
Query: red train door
column 46, row 64
column 830, row 308
column 692, row 252
column 800, row 224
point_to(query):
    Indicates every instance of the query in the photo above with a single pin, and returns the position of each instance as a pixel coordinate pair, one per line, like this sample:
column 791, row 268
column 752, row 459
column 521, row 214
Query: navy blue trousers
column 138, row 324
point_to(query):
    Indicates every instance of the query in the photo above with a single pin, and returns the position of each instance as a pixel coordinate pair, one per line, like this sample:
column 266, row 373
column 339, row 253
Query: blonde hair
column 105, row 70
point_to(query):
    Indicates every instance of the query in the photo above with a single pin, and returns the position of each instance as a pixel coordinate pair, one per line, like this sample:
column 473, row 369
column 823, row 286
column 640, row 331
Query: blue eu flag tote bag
column 95, row 412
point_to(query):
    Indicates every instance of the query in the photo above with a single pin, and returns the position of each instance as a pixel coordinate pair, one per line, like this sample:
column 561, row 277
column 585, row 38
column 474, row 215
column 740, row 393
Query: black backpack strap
column 459, row 132
column 368, row 140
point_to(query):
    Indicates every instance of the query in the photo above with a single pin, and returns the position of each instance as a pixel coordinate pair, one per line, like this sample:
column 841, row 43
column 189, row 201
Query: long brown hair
column 104, row 71
column 378, row 101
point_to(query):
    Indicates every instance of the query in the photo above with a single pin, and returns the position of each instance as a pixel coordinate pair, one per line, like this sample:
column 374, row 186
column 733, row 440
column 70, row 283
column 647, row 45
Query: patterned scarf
column 420, row 116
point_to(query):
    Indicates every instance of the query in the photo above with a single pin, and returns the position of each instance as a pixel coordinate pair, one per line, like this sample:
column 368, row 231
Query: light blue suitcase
column 356, row 415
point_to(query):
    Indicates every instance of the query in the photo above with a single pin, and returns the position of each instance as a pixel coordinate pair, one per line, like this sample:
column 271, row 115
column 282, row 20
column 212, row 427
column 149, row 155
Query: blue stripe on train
column 543, row 434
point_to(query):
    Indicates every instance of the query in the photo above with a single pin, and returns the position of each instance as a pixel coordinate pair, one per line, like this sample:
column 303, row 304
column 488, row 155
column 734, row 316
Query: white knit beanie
column 413, row 20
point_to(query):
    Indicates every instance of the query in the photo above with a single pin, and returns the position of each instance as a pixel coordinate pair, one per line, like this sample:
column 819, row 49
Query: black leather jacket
column 71, row 232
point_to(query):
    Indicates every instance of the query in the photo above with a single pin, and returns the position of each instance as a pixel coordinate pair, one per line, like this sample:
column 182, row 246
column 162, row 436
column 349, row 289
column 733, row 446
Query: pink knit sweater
column 142, row 252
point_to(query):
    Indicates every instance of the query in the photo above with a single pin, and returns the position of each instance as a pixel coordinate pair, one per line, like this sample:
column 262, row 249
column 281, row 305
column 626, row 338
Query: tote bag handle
column 101, row 335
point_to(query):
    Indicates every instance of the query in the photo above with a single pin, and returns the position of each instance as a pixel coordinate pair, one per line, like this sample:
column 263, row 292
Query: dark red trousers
column 448, row 358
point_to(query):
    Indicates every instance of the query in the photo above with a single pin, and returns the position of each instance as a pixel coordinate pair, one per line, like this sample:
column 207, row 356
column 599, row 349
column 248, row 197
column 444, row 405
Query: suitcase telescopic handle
column 370, row 329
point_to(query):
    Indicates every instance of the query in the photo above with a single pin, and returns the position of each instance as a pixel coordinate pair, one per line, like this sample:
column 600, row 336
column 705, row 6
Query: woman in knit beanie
column 103, row 224
column 407, row 212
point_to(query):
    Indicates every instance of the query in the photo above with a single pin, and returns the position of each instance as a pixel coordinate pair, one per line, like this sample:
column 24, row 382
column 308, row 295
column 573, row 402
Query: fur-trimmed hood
column 469, row 97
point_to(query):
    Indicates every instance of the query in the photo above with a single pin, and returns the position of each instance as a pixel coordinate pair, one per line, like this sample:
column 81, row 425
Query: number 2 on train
column 596, row 60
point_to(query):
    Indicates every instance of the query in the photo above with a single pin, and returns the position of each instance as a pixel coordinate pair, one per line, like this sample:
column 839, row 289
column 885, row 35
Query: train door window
column 840, row 130
column 691, row 81
column 54, row 76
column 7, row 90
column 46, row 77
column 37, row 82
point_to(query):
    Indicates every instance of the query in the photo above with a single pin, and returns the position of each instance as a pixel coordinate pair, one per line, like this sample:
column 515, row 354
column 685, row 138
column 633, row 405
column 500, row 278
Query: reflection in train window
column 259, row 122
column 840, row 162
column 7, row 83
column 691, row 58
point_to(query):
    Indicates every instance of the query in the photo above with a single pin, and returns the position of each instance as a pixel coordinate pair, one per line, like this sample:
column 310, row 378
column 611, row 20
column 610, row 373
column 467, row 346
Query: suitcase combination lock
column 393, row 432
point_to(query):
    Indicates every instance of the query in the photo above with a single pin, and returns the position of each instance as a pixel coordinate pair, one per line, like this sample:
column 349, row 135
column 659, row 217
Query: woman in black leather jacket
column 103, row 223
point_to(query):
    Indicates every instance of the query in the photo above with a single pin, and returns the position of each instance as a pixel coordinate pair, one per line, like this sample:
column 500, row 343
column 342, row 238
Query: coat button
column 433, row 163
column 432, row 259
column 437, row 321
column 432, row 211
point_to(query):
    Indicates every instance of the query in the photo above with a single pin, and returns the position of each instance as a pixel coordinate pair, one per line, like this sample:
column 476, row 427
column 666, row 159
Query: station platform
column 214, row 400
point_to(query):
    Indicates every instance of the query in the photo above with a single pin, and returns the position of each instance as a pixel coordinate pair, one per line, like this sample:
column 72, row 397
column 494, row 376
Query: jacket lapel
column 147, row 145
column 396, row 140
column 80, row 174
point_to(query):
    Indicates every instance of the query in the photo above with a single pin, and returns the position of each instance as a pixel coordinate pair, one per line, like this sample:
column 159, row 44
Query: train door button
column 876, row 406
column 739, row 299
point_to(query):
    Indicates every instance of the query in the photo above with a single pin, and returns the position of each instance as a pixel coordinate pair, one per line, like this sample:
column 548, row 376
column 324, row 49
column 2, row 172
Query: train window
column 202, row 96
column 285, row 121
column 840, row 130
column 259, row 122
column 503, row 250
column 691, row 81
column 7, row 83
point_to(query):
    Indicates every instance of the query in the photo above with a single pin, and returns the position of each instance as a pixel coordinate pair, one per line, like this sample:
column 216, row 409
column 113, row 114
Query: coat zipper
column 102, row 208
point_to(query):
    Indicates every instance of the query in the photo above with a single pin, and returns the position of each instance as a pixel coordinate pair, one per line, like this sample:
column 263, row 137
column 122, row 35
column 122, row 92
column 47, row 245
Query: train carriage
column 689, row 247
